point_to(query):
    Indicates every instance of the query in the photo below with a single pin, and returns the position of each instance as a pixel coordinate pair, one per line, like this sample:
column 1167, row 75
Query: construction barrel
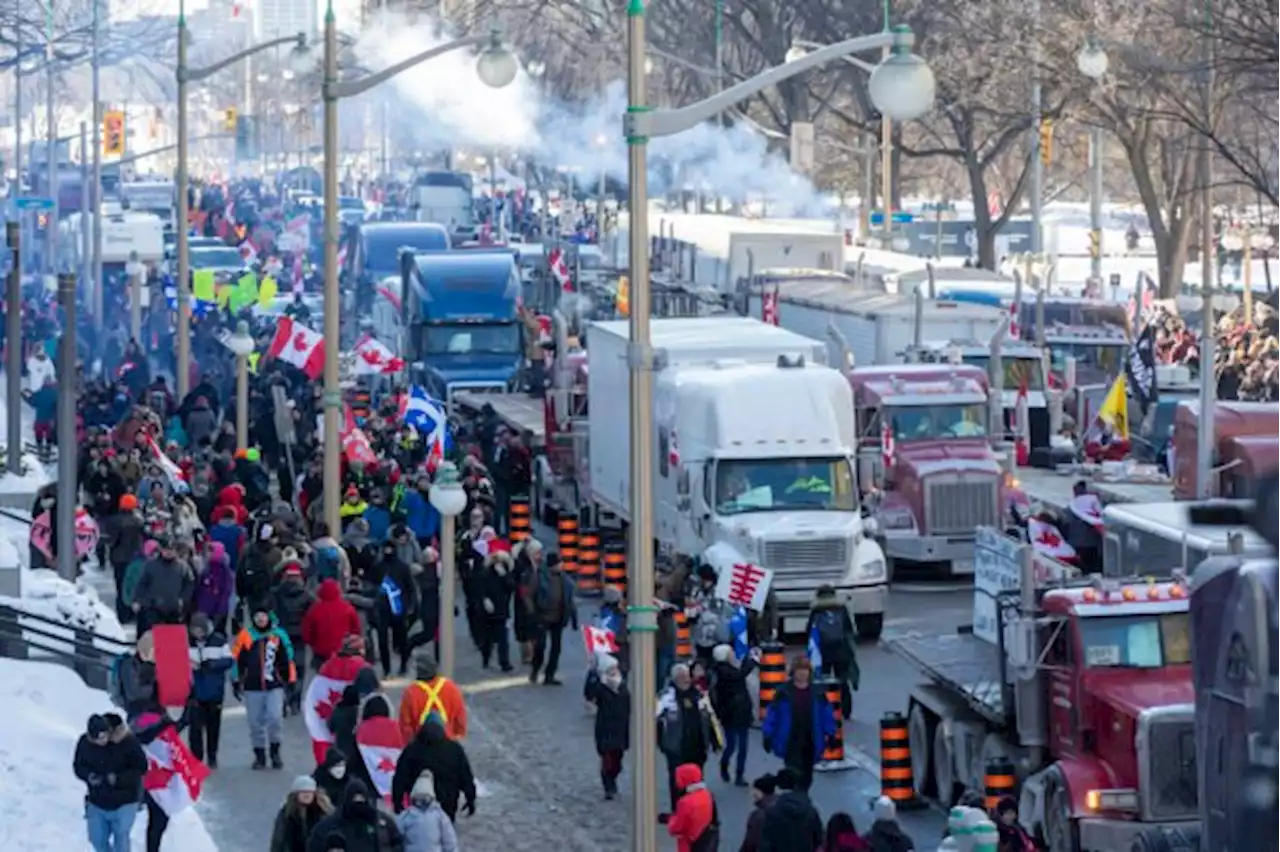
column 684, row 637
column 589, row 561
column 520, row 522
column 896, row 781
column 1000, row 780
column 615, row 566
column 833, row 753
column 567, row 540
column 773, row 673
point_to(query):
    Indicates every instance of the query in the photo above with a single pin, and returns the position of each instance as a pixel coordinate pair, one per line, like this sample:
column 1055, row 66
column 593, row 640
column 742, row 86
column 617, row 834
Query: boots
column 610, row 785
column 276, row 762
column 259, row 758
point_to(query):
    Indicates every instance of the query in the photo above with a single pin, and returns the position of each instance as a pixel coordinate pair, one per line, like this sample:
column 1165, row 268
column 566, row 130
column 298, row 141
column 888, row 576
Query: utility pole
column 13, row 352
column 1037, row 119
column 17, row 109
column 86, row 258
column 1206, row 435
column 68, row 487
column 51, row 135
column 95, row 188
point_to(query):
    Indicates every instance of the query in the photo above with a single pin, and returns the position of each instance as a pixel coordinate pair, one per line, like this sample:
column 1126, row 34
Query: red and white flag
column 1048, row 540
column 357, row 448
column 769, row 307
column 171, row 470
column 298, row 345
column 597, row 639
column 1088, row 508
column 380, row 744
column 1022, row 427
column 744, row 585
column 248, row 252
column 1015, row 332
column 174, row 776
column 323, row 694
column 374, row 358
column 887, row 446
column 560, row 270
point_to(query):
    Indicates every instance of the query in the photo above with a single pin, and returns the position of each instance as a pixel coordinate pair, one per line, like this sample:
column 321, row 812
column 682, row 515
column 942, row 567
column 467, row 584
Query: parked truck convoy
column 753, row 253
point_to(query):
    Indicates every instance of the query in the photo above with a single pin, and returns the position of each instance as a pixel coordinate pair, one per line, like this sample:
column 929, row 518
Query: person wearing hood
column 731, row 701
column 395, row 606
column 353, row 506
column 254, row 577
column 799, row 722
column 407, row 547
column 104, row 486
column 792, row 823
column 432, row 694
column 165, row 588
column 1013, row 837
column 607, row 691
column 328, row 560
column 424, row 824
column 292, row 601
column 357, row 824
column 372, row 708
column 687, row 728
column 361, row 552
column 426, row 576
column 232, row 497
column 346, row 714
column 201, row 423
column 112, row 767
column 263, row 669
column 830, row 620
column 762, row 798
column 431, row 750
column 125, row 537
column 303, row 809
column 214, row 586
column 842, row 835
column 253, row 476
column 554, row 608
column 228, row 531
column 210, row 662
column 694, row 824
column 886, row 835
column 330, row 773
column 328, row 622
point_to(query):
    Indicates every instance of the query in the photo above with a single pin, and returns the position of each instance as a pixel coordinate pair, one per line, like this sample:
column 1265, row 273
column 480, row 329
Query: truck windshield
column 937, row 422
column 207, row 258
column 1136, row 641
column 1016, row 371
column 473, row 339
column 1101, row 358
column 758, row 485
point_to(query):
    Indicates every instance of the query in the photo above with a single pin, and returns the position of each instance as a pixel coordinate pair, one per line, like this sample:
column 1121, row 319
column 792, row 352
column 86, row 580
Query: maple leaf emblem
column 386, row 765
column 371, row 356
column 1049, row 538
column 300, row 341
column 324, row 709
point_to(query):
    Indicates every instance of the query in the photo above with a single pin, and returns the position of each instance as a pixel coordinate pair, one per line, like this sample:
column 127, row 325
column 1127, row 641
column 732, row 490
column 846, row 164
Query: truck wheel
column 869, row 625
column 944, row 768
column 920, row 737
column 1061, row 834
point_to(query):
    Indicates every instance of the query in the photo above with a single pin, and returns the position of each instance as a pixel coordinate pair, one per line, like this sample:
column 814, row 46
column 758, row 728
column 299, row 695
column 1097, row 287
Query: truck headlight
column 873, row 570
column 897, row 518
column 1111, row 800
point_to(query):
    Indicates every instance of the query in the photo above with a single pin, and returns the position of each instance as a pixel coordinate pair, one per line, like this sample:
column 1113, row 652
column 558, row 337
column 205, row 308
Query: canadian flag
column 323, row 694
column 887, row 446
column 769, row 307
column 560, row 270
column 598, row 639
column 298, row 345
column 248, row 253
column 174, row 776
column 380, row 744
column 1088, row 508
column 375, row 358
column 1047, row 539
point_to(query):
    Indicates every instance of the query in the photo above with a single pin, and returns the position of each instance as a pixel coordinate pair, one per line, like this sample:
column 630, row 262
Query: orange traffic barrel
column 773, row 673
column 833, row 754
column 684, row 638
column 588, row 561
column 1000, row 780
column 615, row 566
column 519, row 519
column 567, row 538
column 896, row 780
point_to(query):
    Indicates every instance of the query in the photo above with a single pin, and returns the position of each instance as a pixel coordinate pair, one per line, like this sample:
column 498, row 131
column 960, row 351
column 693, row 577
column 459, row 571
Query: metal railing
column 26, row 636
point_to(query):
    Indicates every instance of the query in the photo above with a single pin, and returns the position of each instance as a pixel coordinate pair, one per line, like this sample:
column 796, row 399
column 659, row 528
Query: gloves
column 469, row 808
column 488, row 606
column 238, row 691
column 94, row 779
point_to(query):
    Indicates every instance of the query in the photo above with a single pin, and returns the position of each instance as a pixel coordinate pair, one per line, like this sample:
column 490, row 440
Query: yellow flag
column 267, row 291
column 1115, row 408
column 252, row 361
column 623, row 300
column 202, row 284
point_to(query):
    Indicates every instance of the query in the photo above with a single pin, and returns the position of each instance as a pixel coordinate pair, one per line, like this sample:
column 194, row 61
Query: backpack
column 115, row 687
column 327, row 565
column 709, row 840
column 830, row 626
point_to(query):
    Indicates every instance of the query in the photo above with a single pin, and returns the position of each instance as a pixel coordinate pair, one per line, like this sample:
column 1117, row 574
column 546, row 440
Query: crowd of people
column 1247, row 353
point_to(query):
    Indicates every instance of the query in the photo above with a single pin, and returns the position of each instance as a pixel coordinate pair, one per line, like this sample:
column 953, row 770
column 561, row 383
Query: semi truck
column 751, row 253
column 1244, row 433
column 754, row 454
column 1082, row 687
column 446, row 198
column 1152, row 539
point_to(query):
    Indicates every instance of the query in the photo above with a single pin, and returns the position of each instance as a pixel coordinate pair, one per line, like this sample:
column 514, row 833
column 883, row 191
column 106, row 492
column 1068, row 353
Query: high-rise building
column 276, row 18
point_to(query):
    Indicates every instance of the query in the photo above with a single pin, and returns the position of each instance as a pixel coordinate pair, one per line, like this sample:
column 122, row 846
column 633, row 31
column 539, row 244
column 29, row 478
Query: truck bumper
column 1119, row 834
column 957, row 550
column 793, row 606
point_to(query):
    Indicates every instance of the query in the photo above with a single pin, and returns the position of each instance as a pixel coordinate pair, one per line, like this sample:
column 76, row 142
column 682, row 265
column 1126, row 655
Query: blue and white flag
column 738, row 631
column 814, row 649
column 427, row 415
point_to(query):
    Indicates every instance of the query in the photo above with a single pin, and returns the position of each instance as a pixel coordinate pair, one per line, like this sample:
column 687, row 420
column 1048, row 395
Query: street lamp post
column 449, row 499
column 496, row 67
column 902, row 86
column 185, row 76
column 135, row 270
column 241, row 344
column 1092, row 62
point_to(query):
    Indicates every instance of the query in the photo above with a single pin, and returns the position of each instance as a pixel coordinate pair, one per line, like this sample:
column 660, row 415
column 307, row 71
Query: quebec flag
column 427, row 415
column 738, row 631
column 814, row 649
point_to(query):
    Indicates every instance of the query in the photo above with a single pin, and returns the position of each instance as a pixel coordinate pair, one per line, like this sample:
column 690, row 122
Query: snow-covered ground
column 41, row 801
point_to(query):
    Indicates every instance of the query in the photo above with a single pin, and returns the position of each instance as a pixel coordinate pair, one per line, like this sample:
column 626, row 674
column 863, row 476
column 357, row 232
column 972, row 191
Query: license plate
column 961, row 566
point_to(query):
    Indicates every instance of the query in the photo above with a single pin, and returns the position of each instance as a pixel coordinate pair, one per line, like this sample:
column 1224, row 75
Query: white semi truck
column 755, row 445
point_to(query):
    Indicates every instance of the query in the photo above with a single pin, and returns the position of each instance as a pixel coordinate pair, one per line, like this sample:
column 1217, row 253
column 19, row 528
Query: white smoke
column 447, row 106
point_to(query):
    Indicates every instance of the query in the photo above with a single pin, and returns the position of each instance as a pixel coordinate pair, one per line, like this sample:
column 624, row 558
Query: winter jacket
column 292, row 602
column 293, row 827
column 346, row 715
column 104, row 489
column 393, row 572
column 329, row 620
column 231, row 536
column 792, row 824
column 371, row 832
column 427, row 579
column 201, row 423
column 676, row 712
column 440, row 696
column 887, row 836
column 729, row 695
column 695, row 812
column 113, row 771
column 379, row 520
column 213, row 589
column 125, row 537
column 263, row 658
column 755, row 824
column 448, row 763
column 843, row 654
column 613, row 714
column 420, row 516
column 776, row 728
column 495, row 583
column 326, row 543
column 210, row 662
column 427, row 829
column 134, row 689
column 324, row 777
column 166, row 585
column 542, row 599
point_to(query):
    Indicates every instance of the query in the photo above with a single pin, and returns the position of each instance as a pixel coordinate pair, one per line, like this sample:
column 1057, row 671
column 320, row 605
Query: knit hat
column 128, row 502
column 885, row 809
column 722, row 653
column 149, row 548
column 612, row 595
column 424, row 787
column 766, row 784
column 97, row 726
column 425, row 666
column 303, row 784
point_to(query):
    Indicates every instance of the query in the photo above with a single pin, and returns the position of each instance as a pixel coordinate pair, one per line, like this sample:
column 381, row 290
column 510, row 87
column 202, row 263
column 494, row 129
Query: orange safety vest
column 434, row 704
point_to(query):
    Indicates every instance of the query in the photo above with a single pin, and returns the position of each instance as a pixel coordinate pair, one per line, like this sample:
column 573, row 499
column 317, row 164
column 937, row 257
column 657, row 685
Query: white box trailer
column 878, row 326
column 753, row 253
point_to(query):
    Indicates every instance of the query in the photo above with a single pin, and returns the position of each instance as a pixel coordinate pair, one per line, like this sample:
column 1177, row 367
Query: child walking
column 606, row 690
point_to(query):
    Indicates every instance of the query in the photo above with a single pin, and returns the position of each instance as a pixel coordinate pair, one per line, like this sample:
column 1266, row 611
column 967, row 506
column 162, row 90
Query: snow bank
column 41, row 801
column 36, row 476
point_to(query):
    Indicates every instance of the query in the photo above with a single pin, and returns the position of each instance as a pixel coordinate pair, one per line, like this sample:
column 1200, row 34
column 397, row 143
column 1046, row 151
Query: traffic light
column 1046, row 141
column 113, row 133
column 229, row 120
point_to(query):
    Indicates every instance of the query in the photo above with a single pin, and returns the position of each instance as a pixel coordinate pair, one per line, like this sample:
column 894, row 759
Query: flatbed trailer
column 961, row 663
column 1053, row 489
column 517, row 411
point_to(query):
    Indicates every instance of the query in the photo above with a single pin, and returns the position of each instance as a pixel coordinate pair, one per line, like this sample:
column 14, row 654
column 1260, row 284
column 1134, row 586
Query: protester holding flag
column 395, row 606
column 731, row 699
column 799, row 720
column 832, row 628
column 688, row 729
column 607, row 691
column 1107, row 438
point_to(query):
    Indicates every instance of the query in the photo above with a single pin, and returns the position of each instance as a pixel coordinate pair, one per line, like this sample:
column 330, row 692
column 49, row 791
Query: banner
column 173, row 664
column 174, row 776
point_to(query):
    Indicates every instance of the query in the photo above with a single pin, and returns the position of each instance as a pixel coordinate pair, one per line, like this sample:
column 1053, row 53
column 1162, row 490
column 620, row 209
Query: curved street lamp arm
column 335, row 90
column 129, row 158
column 852, row 60
column 656, row 123
column 195, row 75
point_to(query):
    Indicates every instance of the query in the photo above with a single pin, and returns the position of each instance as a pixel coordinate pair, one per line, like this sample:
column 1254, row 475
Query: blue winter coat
column 420, row 516
column 45, row 403
column 776, row 728
column 379, row 520
column 229, row 535
column 211, row 661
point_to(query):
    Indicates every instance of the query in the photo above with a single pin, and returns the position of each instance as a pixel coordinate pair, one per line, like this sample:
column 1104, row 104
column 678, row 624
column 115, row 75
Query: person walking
column 124, row 544
column 303, row 809
column 431, row 750
column 210, row 662
column 607, row 691
column 291, row 601
column 554, row 609
column 357, row 824
column 331, row 775
column 762, row 798
column 395, row 606
column 842, row 835
column 424, row 824
column 345, row 717
column 792, row 823
column 886, row 834
column 829, row 620
column 164, row 591
column 263, row 669
column 328, row 622
column 695, row 824
column 494, row 585
column 799, row 722
column 112, row 768
column 731, row 701
column 432, row 693
column 215, row 583
column 687, row 728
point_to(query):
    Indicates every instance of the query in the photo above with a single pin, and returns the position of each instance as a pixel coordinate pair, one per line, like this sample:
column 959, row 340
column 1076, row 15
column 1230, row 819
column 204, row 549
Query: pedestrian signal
column 229, row 120
column 1046, row 141
column 113, row 133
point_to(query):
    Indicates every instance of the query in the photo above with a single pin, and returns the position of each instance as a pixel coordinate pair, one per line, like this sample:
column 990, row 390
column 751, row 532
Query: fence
column 24, row 636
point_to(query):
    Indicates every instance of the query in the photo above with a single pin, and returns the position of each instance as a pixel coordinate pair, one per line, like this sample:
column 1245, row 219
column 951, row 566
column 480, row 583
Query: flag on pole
column 174, row 777
column 814, row 649
column 298, row 345
column 560, row 270
column 171, row 470
column 427, row 415
column 374, row 358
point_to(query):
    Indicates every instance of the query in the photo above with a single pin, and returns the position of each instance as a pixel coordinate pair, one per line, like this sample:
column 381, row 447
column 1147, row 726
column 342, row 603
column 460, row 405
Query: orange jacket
column 440, row 695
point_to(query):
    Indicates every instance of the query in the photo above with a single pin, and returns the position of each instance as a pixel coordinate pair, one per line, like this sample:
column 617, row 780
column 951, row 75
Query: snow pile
column 36, row 475
column 77, row 604
column 41, row 801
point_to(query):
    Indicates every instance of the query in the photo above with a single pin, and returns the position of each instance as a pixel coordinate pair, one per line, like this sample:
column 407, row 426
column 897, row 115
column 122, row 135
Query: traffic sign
column 34, row 203
column 898, row 217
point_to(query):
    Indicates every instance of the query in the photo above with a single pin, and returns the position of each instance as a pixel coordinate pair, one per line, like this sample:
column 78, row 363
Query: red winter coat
column 695, row 810
column 329, row 620
column 233, row 496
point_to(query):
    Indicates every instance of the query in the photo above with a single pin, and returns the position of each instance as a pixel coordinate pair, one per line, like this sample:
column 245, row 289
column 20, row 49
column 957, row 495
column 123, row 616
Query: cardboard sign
column 744, row 585
column 173, row 664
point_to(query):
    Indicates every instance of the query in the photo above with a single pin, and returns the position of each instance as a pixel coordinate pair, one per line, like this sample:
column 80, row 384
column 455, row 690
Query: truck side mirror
column 682, row 481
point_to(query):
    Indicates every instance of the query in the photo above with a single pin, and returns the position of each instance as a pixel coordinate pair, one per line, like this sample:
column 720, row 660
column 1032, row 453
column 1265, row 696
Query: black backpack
column 830, row 626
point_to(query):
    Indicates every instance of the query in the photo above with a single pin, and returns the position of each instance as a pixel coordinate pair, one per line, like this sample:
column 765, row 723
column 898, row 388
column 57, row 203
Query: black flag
column 1140, row 369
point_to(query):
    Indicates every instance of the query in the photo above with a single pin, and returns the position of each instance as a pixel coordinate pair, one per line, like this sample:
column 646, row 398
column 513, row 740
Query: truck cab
column 1257, row 421
column 923, row 444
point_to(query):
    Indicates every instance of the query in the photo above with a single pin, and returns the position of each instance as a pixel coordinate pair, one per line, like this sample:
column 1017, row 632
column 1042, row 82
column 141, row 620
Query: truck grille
column 1170, row 791
column 954, row 507
column 816, row 557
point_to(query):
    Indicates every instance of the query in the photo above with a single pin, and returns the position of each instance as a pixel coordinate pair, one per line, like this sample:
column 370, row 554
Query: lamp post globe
column 241, row 343
column 301, row 58
column 796, row 52
column 497, row 66
column 902, row 86
column 447, row 494
column 1092, row 61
